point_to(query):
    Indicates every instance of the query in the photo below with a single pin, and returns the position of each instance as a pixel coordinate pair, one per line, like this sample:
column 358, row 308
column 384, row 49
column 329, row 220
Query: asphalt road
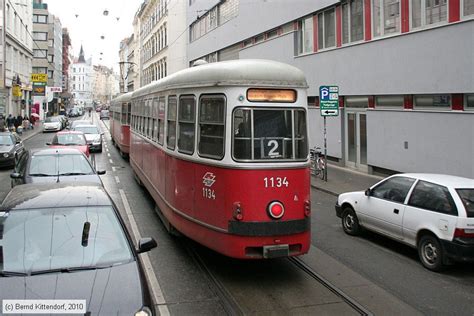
column 274, row 287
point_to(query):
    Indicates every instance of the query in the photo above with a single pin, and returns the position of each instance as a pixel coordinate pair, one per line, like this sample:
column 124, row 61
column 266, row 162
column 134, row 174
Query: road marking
column 155, row 285
column 117, row 179
column 108, row 155
column 114, row 169
column 111, row 161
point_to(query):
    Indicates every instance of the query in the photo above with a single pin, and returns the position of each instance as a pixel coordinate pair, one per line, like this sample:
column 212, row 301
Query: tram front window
column 276, row 135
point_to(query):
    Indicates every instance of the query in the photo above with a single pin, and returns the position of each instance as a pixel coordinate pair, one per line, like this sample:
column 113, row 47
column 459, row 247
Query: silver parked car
column 431, row 212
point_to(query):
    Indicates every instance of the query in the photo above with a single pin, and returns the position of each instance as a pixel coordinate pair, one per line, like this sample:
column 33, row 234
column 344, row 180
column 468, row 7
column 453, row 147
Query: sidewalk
column 342, row 180
column 32, row 132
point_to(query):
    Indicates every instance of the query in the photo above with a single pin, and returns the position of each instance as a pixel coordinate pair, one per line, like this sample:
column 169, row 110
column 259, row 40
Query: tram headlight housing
column 276, row 209
column 307, row 208
column 145, row 311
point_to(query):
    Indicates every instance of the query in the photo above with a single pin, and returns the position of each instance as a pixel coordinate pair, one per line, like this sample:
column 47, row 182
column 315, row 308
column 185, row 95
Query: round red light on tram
column 276, row 210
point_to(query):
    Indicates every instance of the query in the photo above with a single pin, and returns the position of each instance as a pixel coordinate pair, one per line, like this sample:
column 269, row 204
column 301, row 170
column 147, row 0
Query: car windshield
column 6, row 140
column 41, row 165
column 87, row 129
column 69, row 139
column 467, row 198
column 61, row 238
column 52, row 119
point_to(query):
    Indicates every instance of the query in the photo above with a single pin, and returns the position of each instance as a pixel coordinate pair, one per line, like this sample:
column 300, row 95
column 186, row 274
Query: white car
column 53, row 124
column 431, row 212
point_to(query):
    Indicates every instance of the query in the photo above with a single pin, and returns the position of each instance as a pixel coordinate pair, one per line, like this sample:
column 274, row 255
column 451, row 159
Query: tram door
column 356, row 137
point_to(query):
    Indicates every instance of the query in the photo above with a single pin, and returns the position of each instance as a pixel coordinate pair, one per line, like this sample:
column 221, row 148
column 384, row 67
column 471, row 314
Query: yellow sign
column 17, row 91
column 39, row 77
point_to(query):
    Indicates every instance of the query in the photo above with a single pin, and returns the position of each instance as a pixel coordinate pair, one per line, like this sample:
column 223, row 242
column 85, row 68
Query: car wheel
column 431, row 253
column 350, row 222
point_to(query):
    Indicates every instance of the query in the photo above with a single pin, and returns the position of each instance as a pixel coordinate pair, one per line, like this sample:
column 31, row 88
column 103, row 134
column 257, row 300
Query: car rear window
column 467, row 198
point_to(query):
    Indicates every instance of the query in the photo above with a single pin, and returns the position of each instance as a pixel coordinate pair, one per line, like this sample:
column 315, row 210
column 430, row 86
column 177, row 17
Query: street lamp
column 125, row 76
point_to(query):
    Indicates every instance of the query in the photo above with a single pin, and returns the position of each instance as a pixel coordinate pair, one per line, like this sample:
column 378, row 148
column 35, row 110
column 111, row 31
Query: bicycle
column 317, row 162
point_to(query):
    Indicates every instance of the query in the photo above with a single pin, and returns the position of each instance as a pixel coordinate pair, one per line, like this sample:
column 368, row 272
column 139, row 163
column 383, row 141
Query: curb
column 324, row 190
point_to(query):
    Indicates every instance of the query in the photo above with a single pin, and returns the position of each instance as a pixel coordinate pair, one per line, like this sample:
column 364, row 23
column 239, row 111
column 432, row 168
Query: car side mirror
column 101, row 172
column 48, row 143
column 146, row 244
column 368, row 192
column 15, row 175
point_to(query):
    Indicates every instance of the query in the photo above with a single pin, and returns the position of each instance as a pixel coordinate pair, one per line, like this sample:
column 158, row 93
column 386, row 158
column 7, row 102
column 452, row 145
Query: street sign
column 55, row 89
column 39, row 77
column 329, row 100
column 39, row 89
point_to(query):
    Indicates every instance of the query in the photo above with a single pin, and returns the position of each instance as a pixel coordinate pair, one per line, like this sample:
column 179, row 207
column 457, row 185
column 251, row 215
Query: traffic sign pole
column 325, row 153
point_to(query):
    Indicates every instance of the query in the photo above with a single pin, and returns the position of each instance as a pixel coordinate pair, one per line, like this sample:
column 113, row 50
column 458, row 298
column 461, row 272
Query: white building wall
column 178, row 37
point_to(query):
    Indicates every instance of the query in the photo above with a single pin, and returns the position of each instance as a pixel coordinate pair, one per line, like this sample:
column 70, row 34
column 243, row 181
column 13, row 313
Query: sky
column 90, row 24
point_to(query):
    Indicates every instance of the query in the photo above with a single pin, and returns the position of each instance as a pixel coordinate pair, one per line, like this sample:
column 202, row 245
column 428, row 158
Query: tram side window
column 273, row 134
column 161, row 121
column 186, row 122
column 129, row 112
column 211, row 126
column 171, row 132
column 155, row 121
column 242, row 134
column 124, row 113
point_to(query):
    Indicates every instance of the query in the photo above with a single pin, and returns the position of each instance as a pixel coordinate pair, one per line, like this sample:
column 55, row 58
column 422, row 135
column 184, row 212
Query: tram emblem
column 208, row 179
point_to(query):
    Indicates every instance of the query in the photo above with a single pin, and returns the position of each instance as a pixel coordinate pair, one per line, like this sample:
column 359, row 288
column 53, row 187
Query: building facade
column 404, row 69
column 163, row 46
column 67, row 58
column 81, row 77
column 105, row 85
column 16, row 57
column 128, row 64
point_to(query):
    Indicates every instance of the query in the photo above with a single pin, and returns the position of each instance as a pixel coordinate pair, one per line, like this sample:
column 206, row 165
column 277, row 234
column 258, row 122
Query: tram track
column 334, row 289
column 229, row 304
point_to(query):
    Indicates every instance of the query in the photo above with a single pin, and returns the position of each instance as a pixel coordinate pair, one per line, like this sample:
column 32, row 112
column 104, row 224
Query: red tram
column 120, row 114
column 223, row 150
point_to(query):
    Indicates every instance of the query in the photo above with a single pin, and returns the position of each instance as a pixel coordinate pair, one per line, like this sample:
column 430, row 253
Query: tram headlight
column 276, row 209
column 145, row 311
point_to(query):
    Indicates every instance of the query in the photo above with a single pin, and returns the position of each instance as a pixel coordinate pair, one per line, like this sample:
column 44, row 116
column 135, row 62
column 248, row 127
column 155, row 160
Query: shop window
column 392, row 101
column 439, row 101
column 468, row 7
column 352, row 21
column 327, row 29
column 305, row 35
column 426, row 12
column 385, row 17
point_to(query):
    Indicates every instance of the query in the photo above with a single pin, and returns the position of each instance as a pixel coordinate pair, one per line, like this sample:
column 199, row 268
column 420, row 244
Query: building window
column 442, row 101
column 39, row 18
column 386, row 17
column 468, row 7
column 327, row 29
column 50, row 74
column 306, row 31
column 40, row 70
column 352, row 21
column 272, row 33
column 259, row 38
column 357, row 102
column 40, row 53
column 426, row 12
column 247, row 42
column 470, row 102
column 40, row 36
column 389, row 101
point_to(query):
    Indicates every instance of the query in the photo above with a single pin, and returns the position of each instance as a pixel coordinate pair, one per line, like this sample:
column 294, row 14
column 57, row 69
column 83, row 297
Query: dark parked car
column 68, row 241
column 54, row 165
column 11, row 147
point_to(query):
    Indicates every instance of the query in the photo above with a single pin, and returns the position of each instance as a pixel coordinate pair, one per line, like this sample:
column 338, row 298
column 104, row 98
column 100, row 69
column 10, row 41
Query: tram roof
column 248, row 72
column 123, row 97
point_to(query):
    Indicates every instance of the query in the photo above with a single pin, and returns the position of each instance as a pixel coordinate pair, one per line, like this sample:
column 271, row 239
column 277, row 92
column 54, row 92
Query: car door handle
column 396, row 211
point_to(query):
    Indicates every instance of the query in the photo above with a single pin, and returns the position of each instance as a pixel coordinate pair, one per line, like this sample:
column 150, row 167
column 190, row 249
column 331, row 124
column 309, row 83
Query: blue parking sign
column 329, row 100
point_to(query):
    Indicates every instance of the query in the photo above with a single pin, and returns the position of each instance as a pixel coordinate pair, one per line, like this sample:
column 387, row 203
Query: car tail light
column 463, row 233
column 237, row 213
column 307, row 208
column 276, row 209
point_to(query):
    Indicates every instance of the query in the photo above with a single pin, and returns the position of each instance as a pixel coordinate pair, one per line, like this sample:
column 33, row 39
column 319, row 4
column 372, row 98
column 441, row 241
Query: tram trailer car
column 223, row 150
column 120, row 122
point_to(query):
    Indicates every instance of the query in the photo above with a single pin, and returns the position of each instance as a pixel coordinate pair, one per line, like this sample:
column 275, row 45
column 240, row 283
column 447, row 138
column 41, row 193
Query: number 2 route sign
column 329, row 100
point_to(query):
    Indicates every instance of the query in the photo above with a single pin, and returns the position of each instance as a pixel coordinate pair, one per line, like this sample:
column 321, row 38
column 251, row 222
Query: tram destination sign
column 329, row 100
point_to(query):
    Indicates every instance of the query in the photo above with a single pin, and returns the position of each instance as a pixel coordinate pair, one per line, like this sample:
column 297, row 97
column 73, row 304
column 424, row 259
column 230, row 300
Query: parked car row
column 54, row 123
column 430, row 212
column 60, row 226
